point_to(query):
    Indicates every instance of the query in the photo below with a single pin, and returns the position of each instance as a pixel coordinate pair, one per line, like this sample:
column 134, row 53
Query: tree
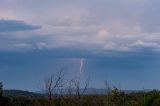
column 108, row 92
column 1, row 89
column 77, row 91
column 118, row 97
column 3, row 100
column 54, row 82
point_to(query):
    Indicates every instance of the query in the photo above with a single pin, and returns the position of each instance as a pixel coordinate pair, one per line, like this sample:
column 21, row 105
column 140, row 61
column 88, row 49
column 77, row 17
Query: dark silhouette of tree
column 1, row 89
column 77, row 91
column 54, row 82
column 108, row 92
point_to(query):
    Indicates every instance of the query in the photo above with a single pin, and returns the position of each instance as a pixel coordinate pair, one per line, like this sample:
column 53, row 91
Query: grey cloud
column 14, row 26
column 106, row 25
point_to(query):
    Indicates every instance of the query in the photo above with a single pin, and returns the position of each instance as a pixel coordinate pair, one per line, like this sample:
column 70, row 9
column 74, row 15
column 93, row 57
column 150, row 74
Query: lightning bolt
column 81, row 65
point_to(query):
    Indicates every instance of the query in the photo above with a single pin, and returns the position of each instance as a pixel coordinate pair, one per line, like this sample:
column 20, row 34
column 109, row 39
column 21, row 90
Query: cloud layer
column 94, row 26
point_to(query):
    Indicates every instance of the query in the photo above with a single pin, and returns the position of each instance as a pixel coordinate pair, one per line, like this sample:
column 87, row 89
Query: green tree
column 118, row 97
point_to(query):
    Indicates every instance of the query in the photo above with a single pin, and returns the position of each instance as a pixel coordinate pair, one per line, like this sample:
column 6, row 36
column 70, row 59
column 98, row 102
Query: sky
column 114, row 40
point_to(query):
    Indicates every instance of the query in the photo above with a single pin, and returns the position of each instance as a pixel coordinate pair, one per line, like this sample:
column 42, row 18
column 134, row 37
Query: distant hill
column 89, row 91
column 16, row 93
column 92, row 91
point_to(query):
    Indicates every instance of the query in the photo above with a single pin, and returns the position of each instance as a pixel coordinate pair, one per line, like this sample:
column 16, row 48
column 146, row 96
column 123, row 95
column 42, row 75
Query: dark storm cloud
column 15, row 25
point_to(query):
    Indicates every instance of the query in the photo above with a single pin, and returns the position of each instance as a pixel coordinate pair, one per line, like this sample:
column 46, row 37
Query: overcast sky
column 118, row 40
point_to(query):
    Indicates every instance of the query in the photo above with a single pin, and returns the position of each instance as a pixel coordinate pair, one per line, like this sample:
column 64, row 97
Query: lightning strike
column 81, row 65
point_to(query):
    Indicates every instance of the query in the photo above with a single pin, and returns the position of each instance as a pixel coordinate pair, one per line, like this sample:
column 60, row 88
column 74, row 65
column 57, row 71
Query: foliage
column 117, row 98
column 15, row 93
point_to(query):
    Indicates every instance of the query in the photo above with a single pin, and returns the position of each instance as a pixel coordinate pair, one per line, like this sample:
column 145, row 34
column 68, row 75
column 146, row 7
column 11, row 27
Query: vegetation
column 74, row 95
column 116, row 98
column 14, row 93
column 1, row 90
